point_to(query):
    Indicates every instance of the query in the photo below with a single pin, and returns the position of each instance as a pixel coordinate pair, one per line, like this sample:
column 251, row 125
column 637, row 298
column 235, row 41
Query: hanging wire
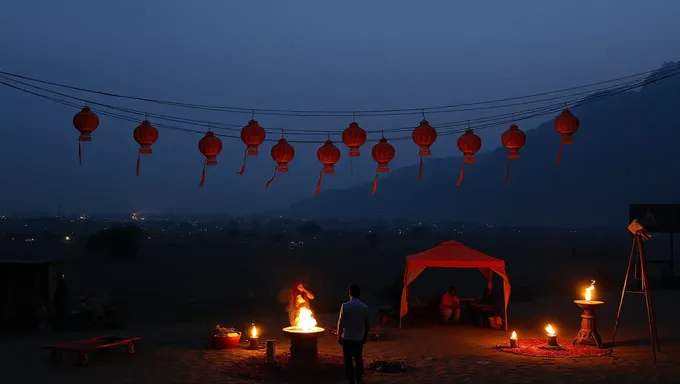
column 300, row 131
column 368, row 112
column 480, row 123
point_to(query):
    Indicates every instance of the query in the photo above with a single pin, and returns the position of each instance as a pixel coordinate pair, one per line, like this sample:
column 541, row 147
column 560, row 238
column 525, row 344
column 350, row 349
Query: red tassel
column 243, row 167
column 200, row 185
column 375, row 182
column 420, row 172
column 80, row 155
column 507, row 172
column 318, row 184
column 266, row 186
column 559, row 156
column 462, row 173
column 139, row 154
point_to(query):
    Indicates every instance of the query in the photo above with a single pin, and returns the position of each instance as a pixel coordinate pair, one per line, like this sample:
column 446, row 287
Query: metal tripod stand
column 640, row 273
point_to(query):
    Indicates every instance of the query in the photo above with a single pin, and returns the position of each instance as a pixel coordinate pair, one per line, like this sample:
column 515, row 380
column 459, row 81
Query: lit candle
column 552, row 336
column 589, row 291
column 254, row 337
column 513, row 340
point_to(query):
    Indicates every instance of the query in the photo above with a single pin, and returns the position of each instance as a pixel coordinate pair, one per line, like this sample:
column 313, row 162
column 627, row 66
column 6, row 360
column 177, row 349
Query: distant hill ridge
column 625, row 151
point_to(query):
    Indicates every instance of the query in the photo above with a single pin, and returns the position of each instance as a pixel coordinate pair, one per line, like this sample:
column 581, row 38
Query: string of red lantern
column 566, row 125
column 513, row 140
column 282, row 153
column 353, row 137
column 329, row 155
column 424, row 136
column 469, row 144
column 145, row 135
column 85, row 122
column 253, row 136
column 382, row 153
column 210, row 146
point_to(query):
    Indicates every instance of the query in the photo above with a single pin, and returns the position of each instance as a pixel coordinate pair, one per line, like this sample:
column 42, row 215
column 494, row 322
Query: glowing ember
column 550, row 330
column 513, row 336
column 589, row 291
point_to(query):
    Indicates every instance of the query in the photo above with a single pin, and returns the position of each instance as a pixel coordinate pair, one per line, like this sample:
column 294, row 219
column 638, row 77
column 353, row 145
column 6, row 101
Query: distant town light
column 67, row 238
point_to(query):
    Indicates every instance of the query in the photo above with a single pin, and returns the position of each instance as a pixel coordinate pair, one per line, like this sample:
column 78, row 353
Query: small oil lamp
column 552, row 336
column 513, row 340
column 254, row 342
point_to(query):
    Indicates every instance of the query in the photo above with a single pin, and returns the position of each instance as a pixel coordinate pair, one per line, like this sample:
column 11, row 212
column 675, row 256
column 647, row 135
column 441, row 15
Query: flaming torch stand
column 640, row 235
column 588, row 333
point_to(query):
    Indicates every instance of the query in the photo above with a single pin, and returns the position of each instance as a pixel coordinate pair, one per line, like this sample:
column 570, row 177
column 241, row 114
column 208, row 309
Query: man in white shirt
column 353, row 333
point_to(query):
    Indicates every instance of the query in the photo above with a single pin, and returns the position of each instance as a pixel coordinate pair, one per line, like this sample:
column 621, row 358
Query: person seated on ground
column 449, row 305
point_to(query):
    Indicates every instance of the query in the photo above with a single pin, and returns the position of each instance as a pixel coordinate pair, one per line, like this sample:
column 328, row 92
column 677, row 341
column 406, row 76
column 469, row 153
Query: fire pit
column 304, row 336
column 588, row 333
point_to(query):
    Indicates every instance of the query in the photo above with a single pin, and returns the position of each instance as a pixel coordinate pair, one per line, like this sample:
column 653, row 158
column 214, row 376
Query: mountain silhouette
column 624, row 152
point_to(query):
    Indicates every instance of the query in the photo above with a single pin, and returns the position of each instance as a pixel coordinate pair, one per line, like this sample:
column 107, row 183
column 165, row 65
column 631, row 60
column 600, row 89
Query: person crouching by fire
column 300, row 296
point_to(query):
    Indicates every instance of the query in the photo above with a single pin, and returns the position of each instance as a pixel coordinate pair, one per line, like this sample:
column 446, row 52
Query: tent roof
column 453, row 254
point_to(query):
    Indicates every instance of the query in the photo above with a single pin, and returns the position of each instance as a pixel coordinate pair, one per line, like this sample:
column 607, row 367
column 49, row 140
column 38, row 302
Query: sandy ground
column 176, row 352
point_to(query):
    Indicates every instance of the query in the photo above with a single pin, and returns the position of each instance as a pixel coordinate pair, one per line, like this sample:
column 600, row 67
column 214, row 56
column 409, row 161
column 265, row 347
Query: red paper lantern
column 469, row 144
column 424, row 136
column 566, row 125
column 353, row 137
column 382, row 153
column 210, row 146
column 329, row 155
column 513, row 139
column 145, row 135
column 85, row 122
column 282, row 153
column 253, row 136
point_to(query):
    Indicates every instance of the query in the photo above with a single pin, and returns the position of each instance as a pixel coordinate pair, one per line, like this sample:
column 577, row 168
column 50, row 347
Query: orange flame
column 549, row 329
column 513, row 336
column 589, row 291
column 305, row 320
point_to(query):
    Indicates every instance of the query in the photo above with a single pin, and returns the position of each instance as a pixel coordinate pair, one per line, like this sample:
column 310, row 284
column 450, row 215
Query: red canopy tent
column 452, row 254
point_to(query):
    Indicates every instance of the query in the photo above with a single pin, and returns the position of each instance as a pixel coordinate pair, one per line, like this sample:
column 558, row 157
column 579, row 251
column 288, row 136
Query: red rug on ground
column 533, row 347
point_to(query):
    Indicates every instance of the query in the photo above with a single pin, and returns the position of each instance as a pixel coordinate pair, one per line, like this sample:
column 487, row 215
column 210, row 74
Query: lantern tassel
column 200, row 185
column 420, row 172
column 507, row 171
column 375, row 182
column 80, row 155
column 139, row 155
column 318, row 184
column 462, row 173
column 243, row 167
column 266, row 186
column 559, row 155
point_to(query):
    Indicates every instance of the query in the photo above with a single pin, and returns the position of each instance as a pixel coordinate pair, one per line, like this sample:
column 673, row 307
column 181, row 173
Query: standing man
column 353, row 333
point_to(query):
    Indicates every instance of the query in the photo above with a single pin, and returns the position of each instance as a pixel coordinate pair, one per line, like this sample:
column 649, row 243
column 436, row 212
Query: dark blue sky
column 284, row 55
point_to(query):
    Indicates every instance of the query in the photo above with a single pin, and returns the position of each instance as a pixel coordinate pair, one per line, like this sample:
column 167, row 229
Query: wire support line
column 292, row 131
column 509, row 118
column 334, row 113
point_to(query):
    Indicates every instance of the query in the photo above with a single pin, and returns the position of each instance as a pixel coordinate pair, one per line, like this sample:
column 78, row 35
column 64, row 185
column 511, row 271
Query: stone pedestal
column 588, row 333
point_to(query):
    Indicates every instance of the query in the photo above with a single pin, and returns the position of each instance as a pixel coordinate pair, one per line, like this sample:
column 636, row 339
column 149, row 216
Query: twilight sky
column 283, row 55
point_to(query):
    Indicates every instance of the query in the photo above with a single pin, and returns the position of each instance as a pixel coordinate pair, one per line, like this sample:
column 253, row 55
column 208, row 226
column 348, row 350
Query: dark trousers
column 353, row 352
